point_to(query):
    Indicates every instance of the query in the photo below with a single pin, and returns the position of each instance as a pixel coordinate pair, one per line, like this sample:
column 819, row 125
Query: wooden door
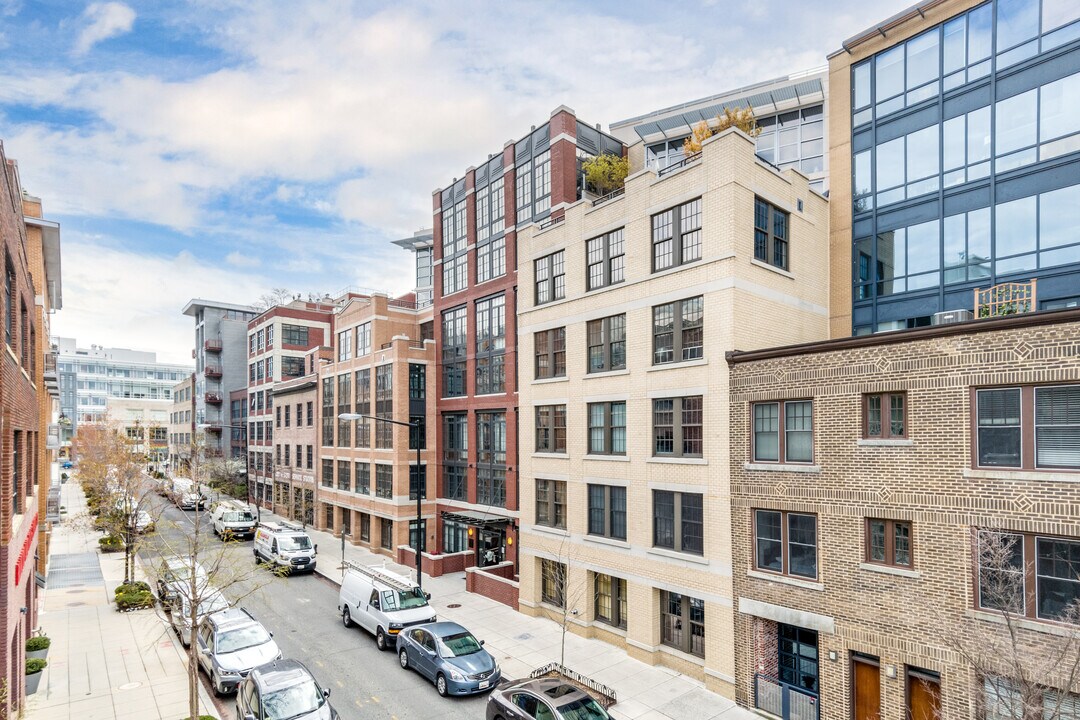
column 924, row 696
column 866, row 675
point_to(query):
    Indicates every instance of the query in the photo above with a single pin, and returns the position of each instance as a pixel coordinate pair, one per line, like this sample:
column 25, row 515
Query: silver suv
column 231, row 643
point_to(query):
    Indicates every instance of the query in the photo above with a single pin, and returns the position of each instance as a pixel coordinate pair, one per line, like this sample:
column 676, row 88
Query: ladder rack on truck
column 379, row 574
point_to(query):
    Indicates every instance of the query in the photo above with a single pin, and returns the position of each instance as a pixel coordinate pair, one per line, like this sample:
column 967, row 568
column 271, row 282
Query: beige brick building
column 627, row 305
column 182, row 430
column 855, row 565
column 383, row 365
column 296, row 443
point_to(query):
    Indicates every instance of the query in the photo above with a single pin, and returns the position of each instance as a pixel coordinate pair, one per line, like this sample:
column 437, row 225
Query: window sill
column 678, row 461
column 602, row 540
column 549, row 381
column 1041, row 626
column 557, row 456
column 680, row 654
column 612, row 458
column 676, row 555
column 771, row 268
column 890, row 570
column 786, row 580
column 678, row 365
column 1030, row 475
column 884, row 442
column 782, row 467
column 558, row 532
column 607, row 373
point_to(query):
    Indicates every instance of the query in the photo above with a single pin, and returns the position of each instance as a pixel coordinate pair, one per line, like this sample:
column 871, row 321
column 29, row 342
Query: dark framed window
column 798, row 656
column 785, row 543
column 345, row 345
column 417, row 381
column 292, row 367
column 328, row 412
column 386, row 533
column 384, row 405
column 678, row 331
column 491, row 458
column 455, row 537
column 363, row 339
column 423, row 535
column 455, row 455
column 294, row 335
column 491, row 345
column 676, row 236
column 363, row 407
column 310, row 413
column 454, row 246
column 677, row 427
column 551, row 503
column 679, row 521
column 607, row 428
column 550, row 274
column 277, row 417
column 417, row 432
column 344, row 475
column 682, row 622
column 310, row 456
column 365, row 527
column 490, row 259
column 607, row 511
column 287, row 413
column 885, row 415
column 344, row 395
column 609, row 595
column 552, row 582
column 1030, row 575
column 384, row 481
column 605, row 259
column 287, row 454
column 795, row 444
column 889, row 542
column 417, row 479
column 551, row 428
column 1030, row 428
column 455, row 347
column 770, row 234
column 363, row 477
column 607, row 343
column 550, row 350
column 327, row 473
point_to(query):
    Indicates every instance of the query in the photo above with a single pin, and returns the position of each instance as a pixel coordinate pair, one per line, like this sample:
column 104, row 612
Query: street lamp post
column 419, row 488
column 247, row 465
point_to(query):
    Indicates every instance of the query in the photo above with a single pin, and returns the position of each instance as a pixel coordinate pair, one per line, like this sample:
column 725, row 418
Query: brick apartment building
column 532, row 180
column 21, row 467
column 382, row 365
column 182, row 431
column 296, row 441
column 855, row 563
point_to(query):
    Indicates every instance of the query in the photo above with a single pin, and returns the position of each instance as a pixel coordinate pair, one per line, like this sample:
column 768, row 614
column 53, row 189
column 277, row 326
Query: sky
column 221, row 149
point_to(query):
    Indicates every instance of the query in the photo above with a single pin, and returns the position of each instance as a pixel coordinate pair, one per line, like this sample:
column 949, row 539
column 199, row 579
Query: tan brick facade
column 899, row 618
column 182, row 431
column 296, row 447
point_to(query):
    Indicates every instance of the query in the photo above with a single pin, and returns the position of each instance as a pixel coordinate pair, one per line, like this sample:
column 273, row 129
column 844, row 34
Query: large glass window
column 795, row 443
column 455, row 455
column 679, row 521
column 793, row 139
column 677, row 427
column 363, row 407
column 1012, row 564
column 771, row 235
column 1029, row 428
column 490, row 345
column 785, row 543
column 610, row 599
column 607, row 511
column 676, row 236
column 550, row 278
column 678, row 331
column 682, row 622
column 607, row 343
column 384, row 405
column 454, row 351
column 551, row 503
column 607, row 428
column 551, row 428
column 605, row 258
column 491, row 458
column 549, row 347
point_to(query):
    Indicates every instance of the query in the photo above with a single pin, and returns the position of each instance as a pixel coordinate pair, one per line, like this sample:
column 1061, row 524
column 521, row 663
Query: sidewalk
column 521, row 644
column 102, row 663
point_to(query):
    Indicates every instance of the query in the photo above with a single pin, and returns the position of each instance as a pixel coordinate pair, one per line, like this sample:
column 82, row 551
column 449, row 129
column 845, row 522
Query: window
column 677, row 427
column 417, row 479
column 607, row 343
column 363, row 478
column 796, row 443
column 344, row 396
column 609, row 594
column 682, row 623
column 523, row 191
column 420, row 542
column 344, row 345
column 550, row 348
column 454, row 249
column 785, row 543
column 607, row 511
column 384, row 406
column 277, row 419
column 490, row 206
column 294, row 335
column 605, row 258
column 417, row 382
column 363, row 407
column 542, row 181
column 678, row 332
column 678, row 521
column 676, row 236
column 384, row 481
column 455, row 274
column 455, row 455
column 292, row 367
column 552, row 582
column 327, row 412
column 550, row 278
column 490, row 259
column 551, row 428
column 491, row 345
column 327, row 473
column 551, row 503
column 386, row 533
column 885, row 415
column 1003, row 699
column 310, row 413
column 344, row 478
column 454, row 350
column 1029, row 575
column 310, row 457
column 1029, row 428
column 770, row 234
column 455, row 537
column 491, row 458
column 286, row 414
column 251, row 344
column 607, row 428
column 888, row 542
column 363, row 339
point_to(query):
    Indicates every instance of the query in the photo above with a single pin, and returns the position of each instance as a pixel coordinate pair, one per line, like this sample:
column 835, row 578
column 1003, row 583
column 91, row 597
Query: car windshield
column 404, row 599
column 294, row 542
column 213, row 604
column 293, row 701
column 583, row 709
column 235, row 516
column 459, row 645
column 242, row 638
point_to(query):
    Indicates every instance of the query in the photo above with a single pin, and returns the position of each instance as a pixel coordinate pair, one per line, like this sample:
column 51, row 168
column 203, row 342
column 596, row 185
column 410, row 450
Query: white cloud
column 106, row 20
column 238, row 259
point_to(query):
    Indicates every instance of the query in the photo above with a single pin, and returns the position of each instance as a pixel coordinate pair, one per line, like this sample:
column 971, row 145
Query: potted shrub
column 34, row 666
column 134, row 596
column 37, row 646
column 111, row 543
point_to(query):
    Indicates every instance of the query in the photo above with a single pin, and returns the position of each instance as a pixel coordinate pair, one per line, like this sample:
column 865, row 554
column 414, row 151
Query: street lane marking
column 319, row 663
column 374, row 699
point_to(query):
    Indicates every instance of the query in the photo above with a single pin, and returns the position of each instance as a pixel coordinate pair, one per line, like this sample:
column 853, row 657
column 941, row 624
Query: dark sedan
column 449, row 656
column 543, row 699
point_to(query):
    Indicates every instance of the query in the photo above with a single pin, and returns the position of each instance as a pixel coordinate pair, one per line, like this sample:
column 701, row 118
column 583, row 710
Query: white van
column 232, row 519
column 187, row 494
column 286, row 545
column 382, row 602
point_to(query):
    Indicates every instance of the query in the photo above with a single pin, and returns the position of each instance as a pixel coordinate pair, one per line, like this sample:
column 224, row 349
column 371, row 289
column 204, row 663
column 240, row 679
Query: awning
column 478, row 519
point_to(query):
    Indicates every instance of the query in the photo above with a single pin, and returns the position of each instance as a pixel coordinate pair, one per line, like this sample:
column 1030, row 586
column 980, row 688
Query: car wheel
column 380, row 639
column 440, row 685
column 218, row 692
column 346, row 618
column 403, row 658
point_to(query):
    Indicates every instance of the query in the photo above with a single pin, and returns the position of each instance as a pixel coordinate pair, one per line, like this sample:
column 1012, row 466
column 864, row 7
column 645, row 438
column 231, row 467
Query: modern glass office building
column 964, row 157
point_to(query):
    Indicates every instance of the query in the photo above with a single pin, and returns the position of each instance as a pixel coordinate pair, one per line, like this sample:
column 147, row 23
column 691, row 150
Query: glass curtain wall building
column 965, row 158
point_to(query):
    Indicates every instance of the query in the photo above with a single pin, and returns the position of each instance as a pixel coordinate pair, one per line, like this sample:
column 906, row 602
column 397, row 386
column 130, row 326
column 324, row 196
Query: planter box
column 32, row 683
column 37, row 653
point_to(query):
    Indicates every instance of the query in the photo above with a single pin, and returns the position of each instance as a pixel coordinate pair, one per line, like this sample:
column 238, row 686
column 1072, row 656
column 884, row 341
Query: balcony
column 52, row 379
column 213, row 398
column 213, row 346
column 212, row 371
column 214, row 427
column 1005, row 299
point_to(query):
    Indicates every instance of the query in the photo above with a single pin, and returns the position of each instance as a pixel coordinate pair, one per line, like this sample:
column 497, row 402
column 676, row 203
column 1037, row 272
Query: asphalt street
column 301, row 612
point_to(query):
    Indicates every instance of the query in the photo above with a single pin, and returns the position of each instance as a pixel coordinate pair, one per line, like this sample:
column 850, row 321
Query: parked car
column 211, row 601
column 284, row 545
column 231, row 643
column 144, row 522
column 187, row 494
column 174, row 570
column 543, row 699
column 449, row 656
column 382, row 602
column 280, row 690
column 67, row 465
column 232, row 519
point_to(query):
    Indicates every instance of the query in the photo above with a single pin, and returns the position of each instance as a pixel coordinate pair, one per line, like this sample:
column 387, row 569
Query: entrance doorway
column 489, row 550
column 923, row 694
column 866, row 681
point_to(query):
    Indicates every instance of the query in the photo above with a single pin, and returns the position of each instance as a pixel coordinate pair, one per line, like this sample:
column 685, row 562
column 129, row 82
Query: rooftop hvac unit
column 952, row 316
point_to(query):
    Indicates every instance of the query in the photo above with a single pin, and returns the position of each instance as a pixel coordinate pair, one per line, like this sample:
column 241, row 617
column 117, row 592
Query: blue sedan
column 449, row 656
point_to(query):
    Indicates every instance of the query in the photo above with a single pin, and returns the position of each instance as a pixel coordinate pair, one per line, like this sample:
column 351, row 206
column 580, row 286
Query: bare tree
column 567, row 595
column 276, row 296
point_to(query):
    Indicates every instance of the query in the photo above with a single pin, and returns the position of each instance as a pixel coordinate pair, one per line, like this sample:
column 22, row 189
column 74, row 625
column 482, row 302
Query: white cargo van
column 284, row 545
column 187, row 494
column 382, row 602
column 232, row 519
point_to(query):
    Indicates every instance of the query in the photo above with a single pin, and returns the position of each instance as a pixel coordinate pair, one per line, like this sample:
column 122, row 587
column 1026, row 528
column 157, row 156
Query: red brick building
column 21, row 441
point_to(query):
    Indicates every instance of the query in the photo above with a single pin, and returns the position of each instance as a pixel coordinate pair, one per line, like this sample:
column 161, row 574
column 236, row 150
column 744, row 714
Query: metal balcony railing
column 783, row 700
column 213, row 398
column 610, row 196
column 212, row 345
column 688, row 160
column 213, row 371
column 551, row 221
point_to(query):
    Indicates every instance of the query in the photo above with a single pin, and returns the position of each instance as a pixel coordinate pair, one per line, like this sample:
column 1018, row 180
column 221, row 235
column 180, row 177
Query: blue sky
column 219, row 149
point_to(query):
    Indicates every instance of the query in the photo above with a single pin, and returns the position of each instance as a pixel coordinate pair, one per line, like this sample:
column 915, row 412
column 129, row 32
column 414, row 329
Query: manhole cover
column 130, row 686
column 453, row 606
